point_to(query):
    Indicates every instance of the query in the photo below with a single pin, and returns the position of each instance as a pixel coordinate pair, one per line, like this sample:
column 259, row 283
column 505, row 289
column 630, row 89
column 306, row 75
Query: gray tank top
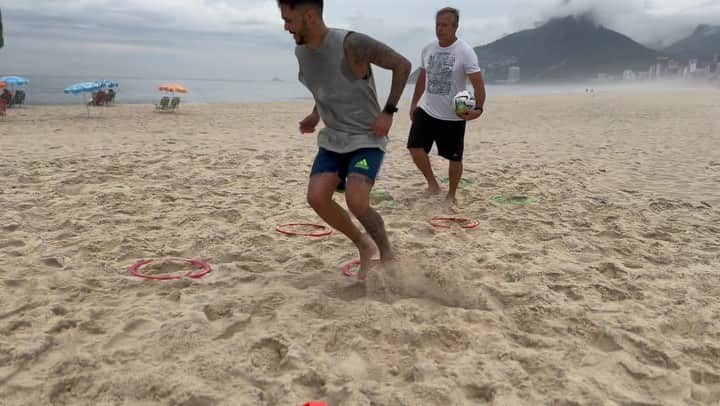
column 347, row 105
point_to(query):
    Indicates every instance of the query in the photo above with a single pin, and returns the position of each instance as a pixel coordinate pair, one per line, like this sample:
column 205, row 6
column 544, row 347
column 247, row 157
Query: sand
column 603, row 292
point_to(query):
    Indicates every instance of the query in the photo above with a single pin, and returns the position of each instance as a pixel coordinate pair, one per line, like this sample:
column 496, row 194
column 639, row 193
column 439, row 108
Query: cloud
column 191, row 15
column 217, row 36
column 657, row 22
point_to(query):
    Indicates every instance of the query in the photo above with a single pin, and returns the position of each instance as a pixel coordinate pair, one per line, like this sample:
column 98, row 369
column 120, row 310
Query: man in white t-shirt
column 446, row 67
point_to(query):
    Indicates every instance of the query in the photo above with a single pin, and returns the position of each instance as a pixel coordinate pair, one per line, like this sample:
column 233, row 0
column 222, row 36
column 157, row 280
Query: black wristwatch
column 390, row 109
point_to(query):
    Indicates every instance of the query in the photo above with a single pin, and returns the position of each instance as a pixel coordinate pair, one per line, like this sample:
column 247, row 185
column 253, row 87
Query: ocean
column 48, row 89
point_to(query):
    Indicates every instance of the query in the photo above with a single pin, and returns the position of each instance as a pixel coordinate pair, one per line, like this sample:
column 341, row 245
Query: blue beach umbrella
column 108, row 84
column 14, row 80
column 83, row 89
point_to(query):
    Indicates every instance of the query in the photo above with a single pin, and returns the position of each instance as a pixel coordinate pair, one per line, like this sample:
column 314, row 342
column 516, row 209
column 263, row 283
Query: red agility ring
column 326, row 231
column 204, row 270
column 442, row 222
column 350, row 270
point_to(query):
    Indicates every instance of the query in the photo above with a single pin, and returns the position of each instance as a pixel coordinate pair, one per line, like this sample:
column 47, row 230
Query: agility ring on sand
column 203, row 266
column 351, row 268
column 446, row 222
column 516, row 200
column 381, row 196
column 325, row 230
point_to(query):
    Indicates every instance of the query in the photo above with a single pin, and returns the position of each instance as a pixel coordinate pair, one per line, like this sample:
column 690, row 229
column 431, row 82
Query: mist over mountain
column 570, row 48
column 703, row 44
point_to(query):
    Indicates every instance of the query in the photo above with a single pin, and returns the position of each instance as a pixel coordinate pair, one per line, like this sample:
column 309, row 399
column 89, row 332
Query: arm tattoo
column 364, row 50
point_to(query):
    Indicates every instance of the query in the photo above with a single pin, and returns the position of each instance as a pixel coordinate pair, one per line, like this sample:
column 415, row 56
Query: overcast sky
column 244, row 39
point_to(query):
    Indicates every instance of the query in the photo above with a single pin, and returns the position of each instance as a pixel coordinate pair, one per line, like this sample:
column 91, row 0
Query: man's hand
column 307, row 126
column 412, row 111
column 382, row 125
column 470, row 115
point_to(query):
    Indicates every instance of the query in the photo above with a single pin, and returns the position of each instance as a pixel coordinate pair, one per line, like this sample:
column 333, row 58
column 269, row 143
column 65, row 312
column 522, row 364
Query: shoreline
column 492, row 90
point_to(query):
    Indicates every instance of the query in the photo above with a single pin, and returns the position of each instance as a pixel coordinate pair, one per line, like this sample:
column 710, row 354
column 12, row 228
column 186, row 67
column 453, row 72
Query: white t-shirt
column 446, row 71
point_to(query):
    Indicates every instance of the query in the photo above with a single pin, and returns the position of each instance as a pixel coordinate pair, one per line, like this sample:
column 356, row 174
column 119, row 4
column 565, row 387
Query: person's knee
column 358, row 203
column 317, row 199
column 418, row 153
column 453, row 158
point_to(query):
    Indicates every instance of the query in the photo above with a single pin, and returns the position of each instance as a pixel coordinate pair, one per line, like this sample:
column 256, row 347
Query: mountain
column 703, row 44
column 569, row 48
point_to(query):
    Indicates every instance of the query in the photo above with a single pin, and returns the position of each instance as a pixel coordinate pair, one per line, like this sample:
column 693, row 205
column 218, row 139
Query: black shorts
column 448, row 135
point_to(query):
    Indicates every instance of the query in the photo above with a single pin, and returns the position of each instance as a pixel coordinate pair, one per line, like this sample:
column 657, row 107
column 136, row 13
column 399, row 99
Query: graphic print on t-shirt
column 440, row 67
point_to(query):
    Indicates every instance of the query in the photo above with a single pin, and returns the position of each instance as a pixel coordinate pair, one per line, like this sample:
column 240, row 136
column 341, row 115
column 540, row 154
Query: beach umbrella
column 14, row 80
column 84, row 88
column 172, row 88
column 2, row 85
column 109, row 84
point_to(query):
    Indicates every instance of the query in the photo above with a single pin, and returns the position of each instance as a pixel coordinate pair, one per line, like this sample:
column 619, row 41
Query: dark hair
column 455, row 12
column 294, row 3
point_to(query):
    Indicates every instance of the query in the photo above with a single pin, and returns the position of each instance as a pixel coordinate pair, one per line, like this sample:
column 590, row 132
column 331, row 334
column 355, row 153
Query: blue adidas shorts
column 366, row 161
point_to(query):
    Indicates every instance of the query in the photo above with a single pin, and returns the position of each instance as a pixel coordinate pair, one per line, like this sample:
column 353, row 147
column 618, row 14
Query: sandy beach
column 603, row 291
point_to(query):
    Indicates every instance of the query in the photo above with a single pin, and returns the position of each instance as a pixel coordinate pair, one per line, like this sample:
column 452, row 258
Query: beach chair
column 110, row 99
column 3, row 109
column 174, row 103
column 98, row 99
column 18, row 99
column 164, row 104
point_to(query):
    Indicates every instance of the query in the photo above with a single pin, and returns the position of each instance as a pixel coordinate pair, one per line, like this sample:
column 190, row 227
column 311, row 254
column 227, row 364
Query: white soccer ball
column 464, row 102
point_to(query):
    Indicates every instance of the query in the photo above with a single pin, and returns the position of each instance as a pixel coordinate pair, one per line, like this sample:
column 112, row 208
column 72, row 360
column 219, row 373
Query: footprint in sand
column 70, row 391
column 479, row 394
column 610, row 270
column 706, row 387
column 605, row 342
column 11, row 244
column 267, row 355
column 234, row 328
column 131, row 331
column 648, row 354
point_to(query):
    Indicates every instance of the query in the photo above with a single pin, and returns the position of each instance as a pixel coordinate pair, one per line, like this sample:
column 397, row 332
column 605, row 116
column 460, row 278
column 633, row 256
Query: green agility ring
column 378, row 196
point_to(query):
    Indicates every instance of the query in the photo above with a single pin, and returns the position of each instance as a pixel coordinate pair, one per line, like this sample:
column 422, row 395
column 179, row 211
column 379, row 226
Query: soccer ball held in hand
column 464, row 102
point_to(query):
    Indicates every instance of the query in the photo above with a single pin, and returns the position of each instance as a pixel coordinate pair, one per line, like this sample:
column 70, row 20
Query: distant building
column 717, row 68
column 628, row 75
column 514, row 74
column 661, row 67
column 693, row 65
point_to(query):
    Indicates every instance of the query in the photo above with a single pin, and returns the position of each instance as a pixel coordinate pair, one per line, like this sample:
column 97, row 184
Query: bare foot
column 432, row 190
column 451, row 203
column 368, row 250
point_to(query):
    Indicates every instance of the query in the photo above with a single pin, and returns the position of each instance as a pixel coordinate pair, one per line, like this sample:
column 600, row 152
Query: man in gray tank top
column 335, row 65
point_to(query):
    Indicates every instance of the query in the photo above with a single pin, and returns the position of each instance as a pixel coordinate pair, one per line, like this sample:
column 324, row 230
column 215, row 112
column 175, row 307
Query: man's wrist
column 390, row 109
